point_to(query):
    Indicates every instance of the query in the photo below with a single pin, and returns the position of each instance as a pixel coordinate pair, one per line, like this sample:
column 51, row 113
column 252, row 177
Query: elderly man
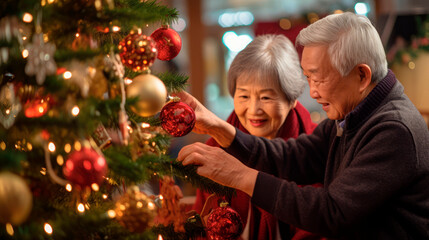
column 372, row 153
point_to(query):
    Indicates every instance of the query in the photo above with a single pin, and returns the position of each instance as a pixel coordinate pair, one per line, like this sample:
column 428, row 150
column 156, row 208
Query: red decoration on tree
column 224, row 223
column 37, row 107
column 137, row 51
column 85, row 167
column 168, row 43
column 177, row 118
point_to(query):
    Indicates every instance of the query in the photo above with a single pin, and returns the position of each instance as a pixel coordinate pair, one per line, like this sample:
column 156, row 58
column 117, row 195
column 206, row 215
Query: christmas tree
column 84, row 123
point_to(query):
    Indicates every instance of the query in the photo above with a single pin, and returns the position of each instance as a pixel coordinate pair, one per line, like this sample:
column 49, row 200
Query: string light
column 151, row 206
column 160, row 237
column 60, row 160
column 80, row 208
column 28, row 18
column 145, row 125
column 69, row 187
column 67, row 147
column 25, row 53
column 116, row 29
column 43, row 171
column 104, row 196
column 9, row 229
column 67, row 75
column 95, row 187
column 51, row 147
column 48, row 228
column 75, row 111
column 77, row 146
column 111, row 213
column 3, row 145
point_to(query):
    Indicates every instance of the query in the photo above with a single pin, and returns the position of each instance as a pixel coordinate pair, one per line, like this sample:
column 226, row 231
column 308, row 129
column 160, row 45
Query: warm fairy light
column 104, row 196
column 160, row 237
column 51, row 1
column 48, row 228
column 95, row 187
column 151, row 206
column 145, row 125
column 24, row 38
column 45, row 37
column 27, row 18
column 69, row 187
column 25, row 53
column 9, row 229
column 77, row 35
column 161, row 197
column 111, row 213
column 285, row 23
column 7, row 111
column 67, row 147
column 75, row 111
column 87, row 206
column 80, row 208
column 60, row 160
column 67, row 75
column 77, row 146
column 3, row 145
column 139, row 205
column 116, row 29
column 51, row 147
column 128, row 81
column 29, row 146
column 43, row 171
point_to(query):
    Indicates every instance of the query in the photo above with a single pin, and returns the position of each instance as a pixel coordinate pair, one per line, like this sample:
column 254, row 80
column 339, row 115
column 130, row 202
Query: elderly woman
column 265, row 80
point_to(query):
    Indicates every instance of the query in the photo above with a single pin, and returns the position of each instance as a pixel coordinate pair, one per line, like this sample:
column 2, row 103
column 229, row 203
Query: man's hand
column 219, row 166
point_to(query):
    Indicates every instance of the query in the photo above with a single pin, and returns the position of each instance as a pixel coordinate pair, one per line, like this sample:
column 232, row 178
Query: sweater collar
column 371, row 102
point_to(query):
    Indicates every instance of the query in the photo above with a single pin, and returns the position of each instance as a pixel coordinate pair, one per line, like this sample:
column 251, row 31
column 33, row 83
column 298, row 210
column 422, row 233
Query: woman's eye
column 243, row 96
column 265, row 98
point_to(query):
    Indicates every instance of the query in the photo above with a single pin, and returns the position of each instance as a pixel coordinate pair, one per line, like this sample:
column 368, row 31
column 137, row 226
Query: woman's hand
column 219, row 166
column 207, row 122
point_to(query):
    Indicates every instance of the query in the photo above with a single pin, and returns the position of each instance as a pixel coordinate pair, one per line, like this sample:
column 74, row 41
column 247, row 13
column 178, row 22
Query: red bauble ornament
column 137, row 51
column 168, row 43
column 224, row 223
column 85, row 167
column 177, row 118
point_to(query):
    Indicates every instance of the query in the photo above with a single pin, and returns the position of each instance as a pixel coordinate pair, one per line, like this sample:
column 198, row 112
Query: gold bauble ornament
column 151, row 93
column 135, row 211
column 16, row 199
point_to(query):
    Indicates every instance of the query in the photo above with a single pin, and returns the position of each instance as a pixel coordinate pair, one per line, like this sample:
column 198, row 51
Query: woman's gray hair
column 269, row 57
column 351, row 40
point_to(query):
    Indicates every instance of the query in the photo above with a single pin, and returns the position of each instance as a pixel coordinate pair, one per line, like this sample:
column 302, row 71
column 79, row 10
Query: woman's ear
column 365, row 76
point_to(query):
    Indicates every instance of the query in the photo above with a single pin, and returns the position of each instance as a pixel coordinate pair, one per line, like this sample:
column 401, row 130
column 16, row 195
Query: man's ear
column 365, row 75
column 294, row 104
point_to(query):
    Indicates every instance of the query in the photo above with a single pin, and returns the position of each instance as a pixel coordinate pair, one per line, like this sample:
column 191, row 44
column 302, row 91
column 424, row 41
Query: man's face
column 338, row 95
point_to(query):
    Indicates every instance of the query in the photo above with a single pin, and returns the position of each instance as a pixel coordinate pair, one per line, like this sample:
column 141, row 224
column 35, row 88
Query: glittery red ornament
column 85, row 167
column 168, row 43
column 224, row 223
column 137, row 51
column 177, row 118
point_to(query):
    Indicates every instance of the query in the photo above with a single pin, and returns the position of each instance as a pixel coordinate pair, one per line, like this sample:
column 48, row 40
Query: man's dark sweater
column 375, row 171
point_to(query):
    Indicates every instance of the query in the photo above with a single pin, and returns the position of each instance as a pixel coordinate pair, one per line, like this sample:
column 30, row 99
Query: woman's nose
column 255, row 106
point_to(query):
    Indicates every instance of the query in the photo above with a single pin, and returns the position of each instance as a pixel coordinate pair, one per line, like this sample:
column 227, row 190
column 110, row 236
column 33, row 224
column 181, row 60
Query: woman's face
column 261, row 107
